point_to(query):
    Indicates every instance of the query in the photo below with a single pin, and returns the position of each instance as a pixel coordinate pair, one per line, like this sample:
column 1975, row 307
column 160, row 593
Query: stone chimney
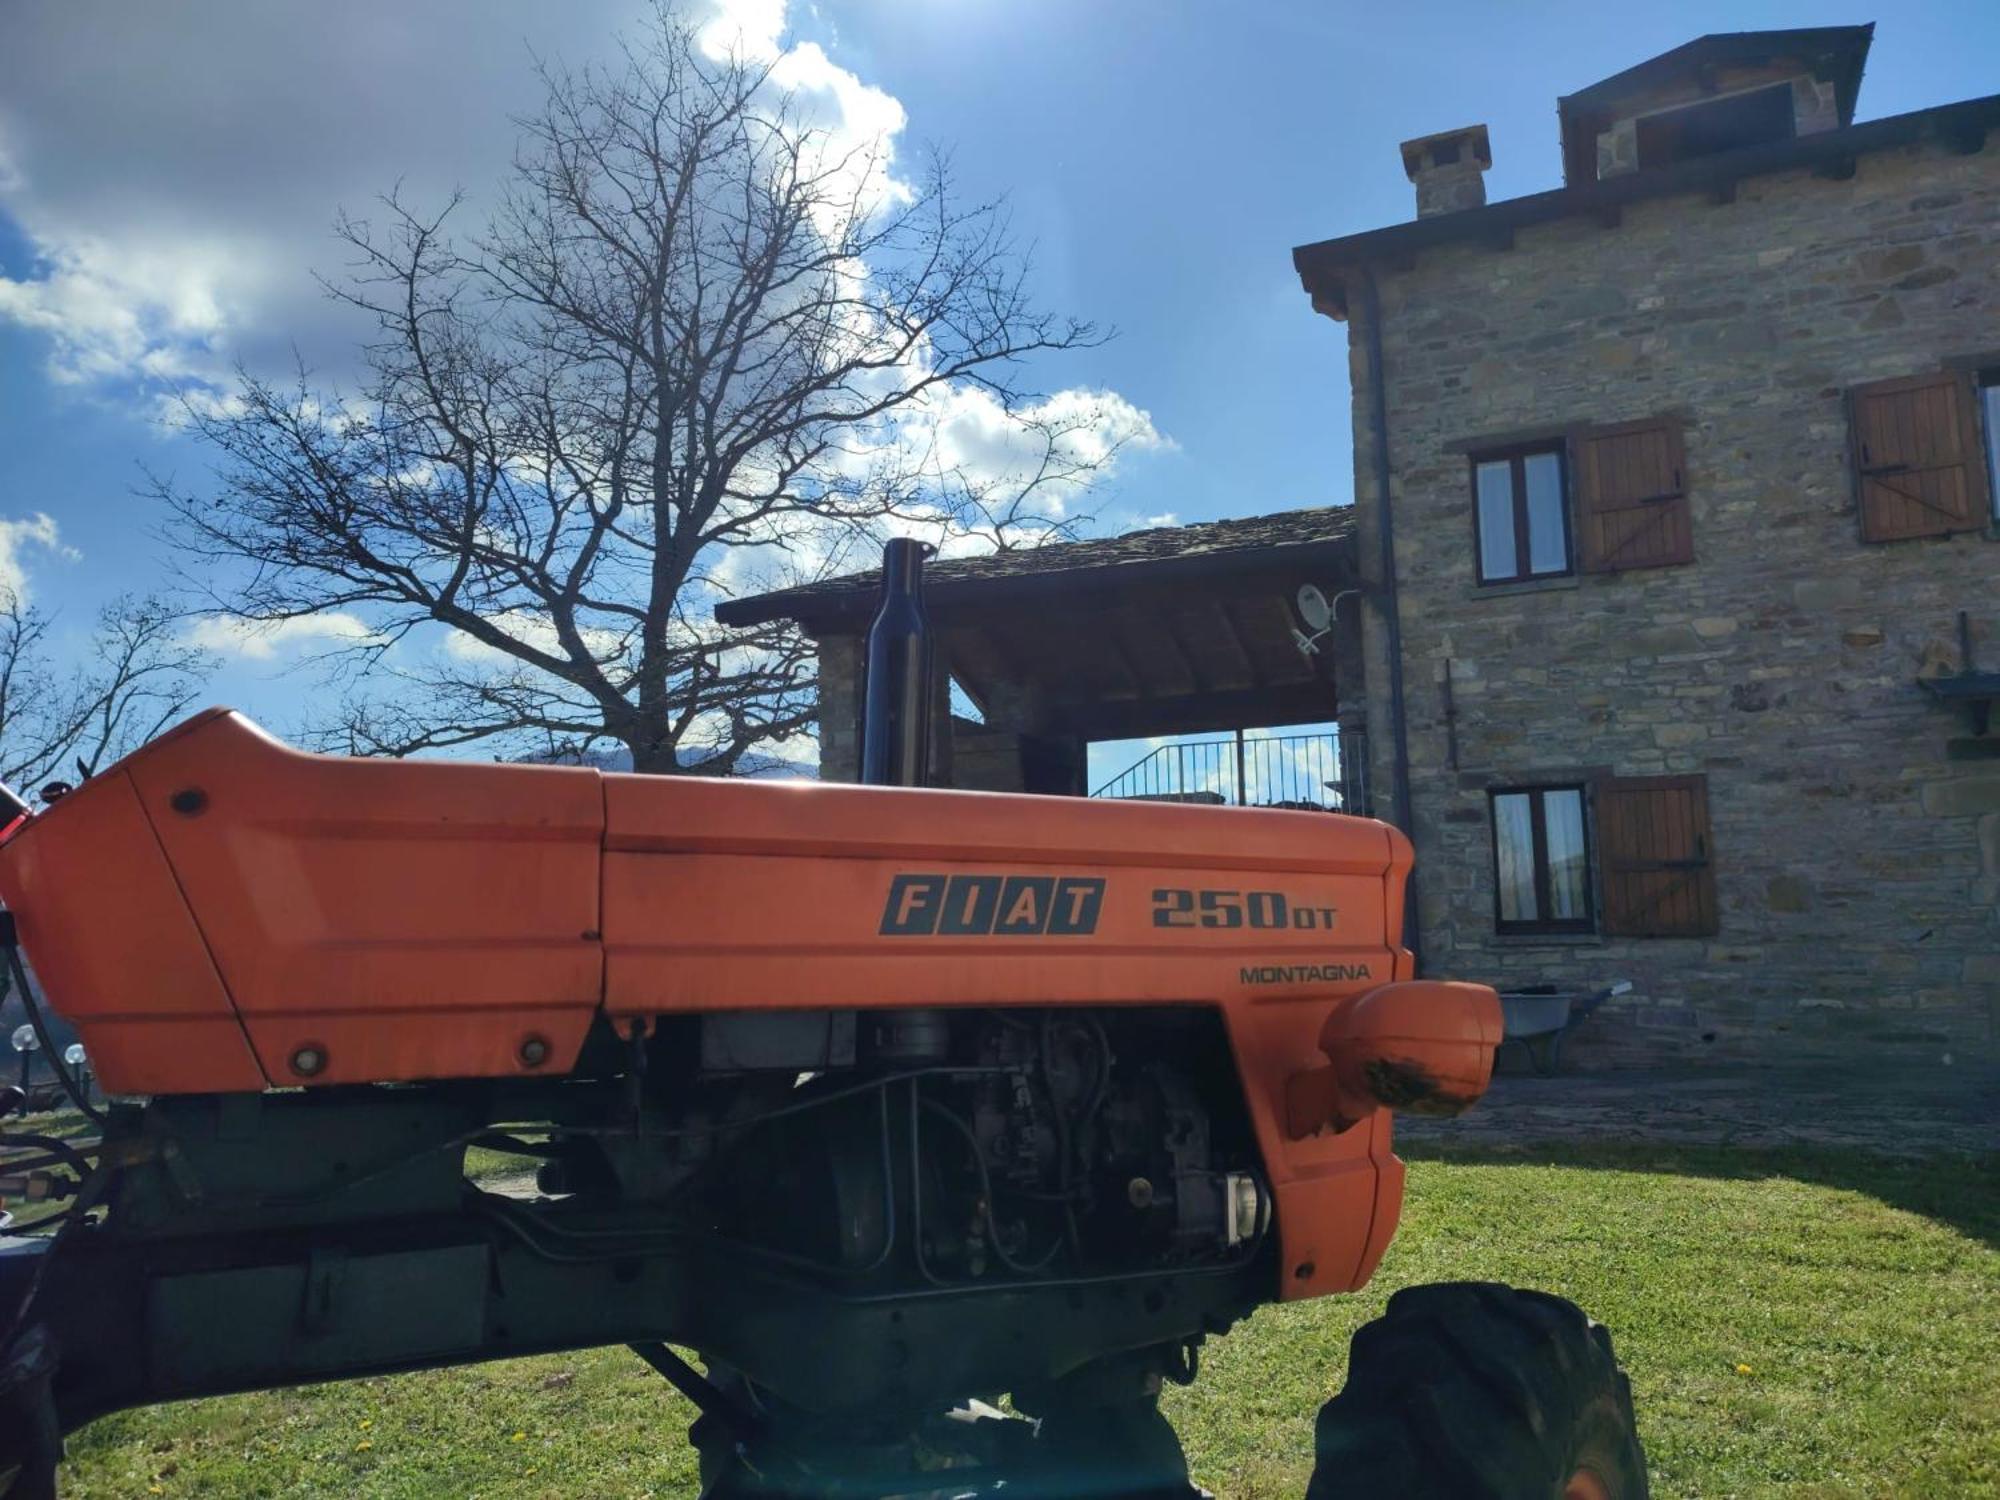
column 1449, row 169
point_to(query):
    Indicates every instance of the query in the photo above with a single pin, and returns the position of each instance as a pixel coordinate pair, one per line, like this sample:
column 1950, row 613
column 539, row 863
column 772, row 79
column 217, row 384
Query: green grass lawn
column 1806, row 1324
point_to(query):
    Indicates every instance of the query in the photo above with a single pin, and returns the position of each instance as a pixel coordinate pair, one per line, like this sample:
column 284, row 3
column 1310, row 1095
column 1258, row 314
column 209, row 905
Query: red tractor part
column 1424, row 1046
column 881, row 1099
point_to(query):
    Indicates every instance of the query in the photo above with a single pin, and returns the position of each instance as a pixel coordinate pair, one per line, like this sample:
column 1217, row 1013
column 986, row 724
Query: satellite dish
column 1314, row 609
column 73, row 1055
column 25, row 1039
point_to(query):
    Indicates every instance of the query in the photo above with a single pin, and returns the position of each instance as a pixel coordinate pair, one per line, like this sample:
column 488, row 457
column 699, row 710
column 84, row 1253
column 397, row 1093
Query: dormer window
column 1716, row 125
column 1715, row 94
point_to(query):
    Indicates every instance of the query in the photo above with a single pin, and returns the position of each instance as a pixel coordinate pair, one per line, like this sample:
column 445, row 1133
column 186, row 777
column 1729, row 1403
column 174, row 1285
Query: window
column 1749, row 119
column 1628, row 856
column 1521, row 514
column 1918, row 460
column 1606, row 500
column 1541, row 860
column 1989, row 408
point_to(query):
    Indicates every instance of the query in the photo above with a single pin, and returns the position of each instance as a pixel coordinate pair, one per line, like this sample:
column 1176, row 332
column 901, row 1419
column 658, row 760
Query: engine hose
column 69, row 1085
column 70, row 1156
column 518, row 1225
column 87, row 1198
column 525, row 1225
column 1019, row 1268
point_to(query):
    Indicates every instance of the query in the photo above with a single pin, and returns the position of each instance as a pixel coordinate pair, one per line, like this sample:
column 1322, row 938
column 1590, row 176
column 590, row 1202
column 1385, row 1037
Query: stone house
column 1688, row 566
column 1674, row 644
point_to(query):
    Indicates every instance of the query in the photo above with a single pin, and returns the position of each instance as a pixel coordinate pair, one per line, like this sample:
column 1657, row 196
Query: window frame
column 1986, row 393
column 1515, row 456
column 1545, row 926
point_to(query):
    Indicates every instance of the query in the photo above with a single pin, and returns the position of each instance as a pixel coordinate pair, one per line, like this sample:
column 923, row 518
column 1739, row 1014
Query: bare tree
column 59, row 723
column 700, row 344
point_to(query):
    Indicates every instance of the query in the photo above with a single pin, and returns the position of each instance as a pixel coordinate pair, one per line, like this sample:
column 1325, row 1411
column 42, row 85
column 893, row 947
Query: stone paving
column 1904, row 1105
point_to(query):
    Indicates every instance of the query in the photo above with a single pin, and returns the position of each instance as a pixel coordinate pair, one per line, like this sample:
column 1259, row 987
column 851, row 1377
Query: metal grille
column 1311, row 771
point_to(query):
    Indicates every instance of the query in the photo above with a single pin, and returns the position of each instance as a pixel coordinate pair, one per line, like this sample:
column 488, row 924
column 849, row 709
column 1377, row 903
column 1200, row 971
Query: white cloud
column 1079, row 431
column 171, row 239
column 254, row 641
column 38, row 530
column 174, row 179
column 153, row 312
column 750, row 29
column 961, row 439
column 854, row 124
column 170, row 243
column 958, row 437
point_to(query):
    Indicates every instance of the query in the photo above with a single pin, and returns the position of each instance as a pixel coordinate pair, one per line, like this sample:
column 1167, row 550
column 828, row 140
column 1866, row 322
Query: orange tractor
column 884, row 1101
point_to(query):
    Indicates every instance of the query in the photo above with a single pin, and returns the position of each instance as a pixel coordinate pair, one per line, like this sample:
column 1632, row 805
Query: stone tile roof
column 1204, row 546
column 1326, row 266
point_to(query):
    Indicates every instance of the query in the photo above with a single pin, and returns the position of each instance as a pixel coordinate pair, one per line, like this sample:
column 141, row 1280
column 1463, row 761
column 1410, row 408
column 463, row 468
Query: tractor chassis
column 242, row 1253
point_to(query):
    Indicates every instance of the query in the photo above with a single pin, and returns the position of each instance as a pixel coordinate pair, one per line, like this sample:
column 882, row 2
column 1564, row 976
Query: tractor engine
column 1006, row 1144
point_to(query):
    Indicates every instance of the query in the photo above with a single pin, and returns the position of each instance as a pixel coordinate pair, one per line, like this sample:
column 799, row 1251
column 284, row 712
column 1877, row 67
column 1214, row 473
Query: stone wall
column 1856, row 823
column 843, row 667
column 843, row 671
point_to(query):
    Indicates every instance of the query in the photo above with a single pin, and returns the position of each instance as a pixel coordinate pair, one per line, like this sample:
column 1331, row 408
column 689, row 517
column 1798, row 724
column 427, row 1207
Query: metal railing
column 1324, row 771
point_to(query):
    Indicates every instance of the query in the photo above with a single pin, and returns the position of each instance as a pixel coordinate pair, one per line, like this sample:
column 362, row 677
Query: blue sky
column 168, row 174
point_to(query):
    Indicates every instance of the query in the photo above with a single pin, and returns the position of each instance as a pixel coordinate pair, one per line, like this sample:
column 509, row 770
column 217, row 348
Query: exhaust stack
column 896, row 717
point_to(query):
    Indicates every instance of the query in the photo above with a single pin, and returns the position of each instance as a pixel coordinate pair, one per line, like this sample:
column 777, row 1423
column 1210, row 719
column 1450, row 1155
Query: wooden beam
column 1001, row 647
column 1086, row 606
column 969, row 683
column 974, row 653
column 1150, row 645
column 1219, row 611
column 1170, row 633
column 1121, row 659
column 1252, row 708
column 1965, row 138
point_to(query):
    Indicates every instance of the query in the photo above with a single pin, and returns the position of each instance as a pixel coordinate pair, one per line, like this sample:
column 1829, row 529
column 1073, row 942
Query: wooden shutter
column 1653, row 850
column 1631, row 497
column 1918, row 465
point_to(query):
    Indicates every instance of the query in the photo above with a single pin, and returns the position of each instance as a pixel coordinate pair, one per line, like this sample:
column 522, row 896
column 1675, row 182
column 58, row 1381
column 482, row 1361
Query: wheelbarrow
column 1540, row 1016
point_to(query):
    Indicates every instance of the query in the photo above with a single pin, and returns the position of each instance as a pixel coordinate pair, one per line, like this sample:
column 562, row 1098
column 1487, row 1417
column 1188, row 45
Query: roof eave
column 827, row 611
column 1322, row 266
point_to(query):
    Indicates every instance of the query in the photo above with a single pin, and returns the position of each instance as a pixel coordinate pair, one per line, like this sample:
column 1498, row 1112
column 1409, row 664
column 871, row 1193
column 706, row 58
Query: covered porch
column 1159, row 635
